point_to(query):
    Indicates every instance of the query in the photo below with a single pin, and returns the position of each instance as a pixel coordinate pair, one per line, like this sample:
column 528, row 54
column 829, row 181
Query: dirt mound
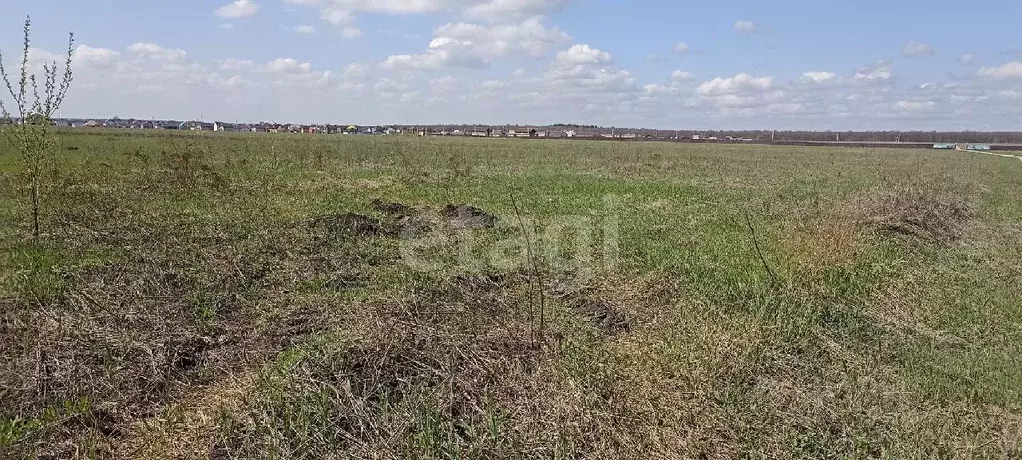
column 402, row 219
column 410, row 226
column 348, row 224
column 466, row 217
column 922, row 215
column 603, row 314
column 394, row 209
column 410, row 221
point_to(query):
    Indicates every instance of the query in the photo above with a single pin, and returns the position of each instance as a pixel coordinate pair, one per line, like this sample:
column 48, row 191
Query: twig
column 759, row 253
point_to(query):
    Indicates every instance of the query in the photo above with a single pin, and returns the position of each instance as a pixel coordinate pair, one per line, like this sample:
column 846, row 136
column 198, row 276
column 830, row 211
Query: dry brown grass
column 920, row 213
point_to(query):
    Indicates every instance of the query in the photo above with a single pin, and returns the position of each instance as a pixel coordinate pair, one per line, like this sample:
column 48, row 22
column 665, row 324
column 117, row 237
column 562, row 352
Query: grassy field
column 277, row 296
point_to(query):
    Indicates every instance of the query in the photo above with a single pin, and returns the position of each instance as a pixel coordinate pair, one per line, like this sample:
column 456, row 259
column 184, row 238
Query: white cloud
column 741, row 83
column 916, row 49
column 95, row 57
column 234, row 64
column 415, row 62
column 785, row 108
column 225, row 26
column 445, row 83
column 475, row 46
column 493, row 85
column 582, row 54
column 1010, row 70
column 356, row 71
column 287, row 65
column 238, row 9
column 745, row 27
column 343, row 12
column 818, row 77
column 351, row 32
column 968, row 59
column 655, row 89
column 305, row 29
column 157, row 52
column 391, row 89
column 679, row 75
column 530, row 38
column 915, row 106
column 511, row 10
column 336, row 15
column 682, row 48
column 879, row 71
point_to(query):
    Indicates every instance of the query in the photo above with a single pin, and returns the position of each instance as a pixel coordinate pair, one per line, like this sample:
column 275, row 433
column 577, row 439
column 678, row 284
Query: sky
column 668, row 64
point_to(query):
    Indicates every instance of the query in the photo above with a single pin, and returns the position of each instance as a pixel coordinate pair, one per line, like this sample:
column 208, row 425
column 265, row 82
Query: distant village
column 557, row 131
column 963, row 140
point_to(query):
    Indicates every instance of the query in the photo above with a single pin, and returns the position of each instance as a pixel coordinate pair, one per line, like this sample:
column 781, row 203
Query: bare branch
column 50, row 72
column 23, row 81
column 68, row 74
column 37, row 104
column 7, row 80
column 759, row 253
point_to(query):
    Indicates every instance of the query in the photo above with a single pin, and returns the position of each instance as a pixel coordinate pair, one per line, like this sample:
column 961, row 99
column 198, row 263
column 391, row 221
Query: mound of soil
column 350, row 224
column 410, row 226
column 603, row 314
column 465, row 217
column 393, row 209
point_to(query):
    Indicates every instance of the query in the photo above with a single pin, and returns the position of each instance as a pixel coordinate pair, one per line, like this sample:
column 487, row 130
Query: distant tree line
column 1002, row 137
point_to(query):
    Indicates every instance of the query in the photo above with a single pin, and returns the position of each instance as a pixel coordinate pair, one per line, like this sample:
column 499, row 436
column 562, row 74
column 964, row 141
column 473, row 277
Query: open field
column 274, row 296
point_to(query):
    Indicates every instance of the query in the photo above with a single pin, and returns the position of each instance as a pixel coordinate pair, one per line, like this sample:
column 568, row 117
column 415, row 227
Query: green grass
column 183, row 288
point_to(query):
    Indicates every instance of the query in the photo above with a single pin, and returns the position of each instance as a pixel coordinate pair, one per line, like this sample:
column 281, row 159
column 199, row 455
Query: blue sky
column 668, row 64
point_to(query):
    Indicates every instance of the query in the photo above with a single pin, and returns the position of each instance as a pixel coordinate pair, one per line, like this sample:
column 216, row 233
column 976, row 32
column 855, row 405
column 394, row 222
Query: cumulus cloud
column 879, row 71
column 682, row 48
column 95, row 57
column 741, row 83
column 237, row 9
column 818, row 77
column 336, row 15
column 582, row 54
column 413, row 61
column 745, row 27
column 356, row 71
column 916, row 49
column 305, row 29
column 153, row 51
column 235, row 64
column 287, row 65
column 1010, row 70
column 679, row 75
column 475, row 45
